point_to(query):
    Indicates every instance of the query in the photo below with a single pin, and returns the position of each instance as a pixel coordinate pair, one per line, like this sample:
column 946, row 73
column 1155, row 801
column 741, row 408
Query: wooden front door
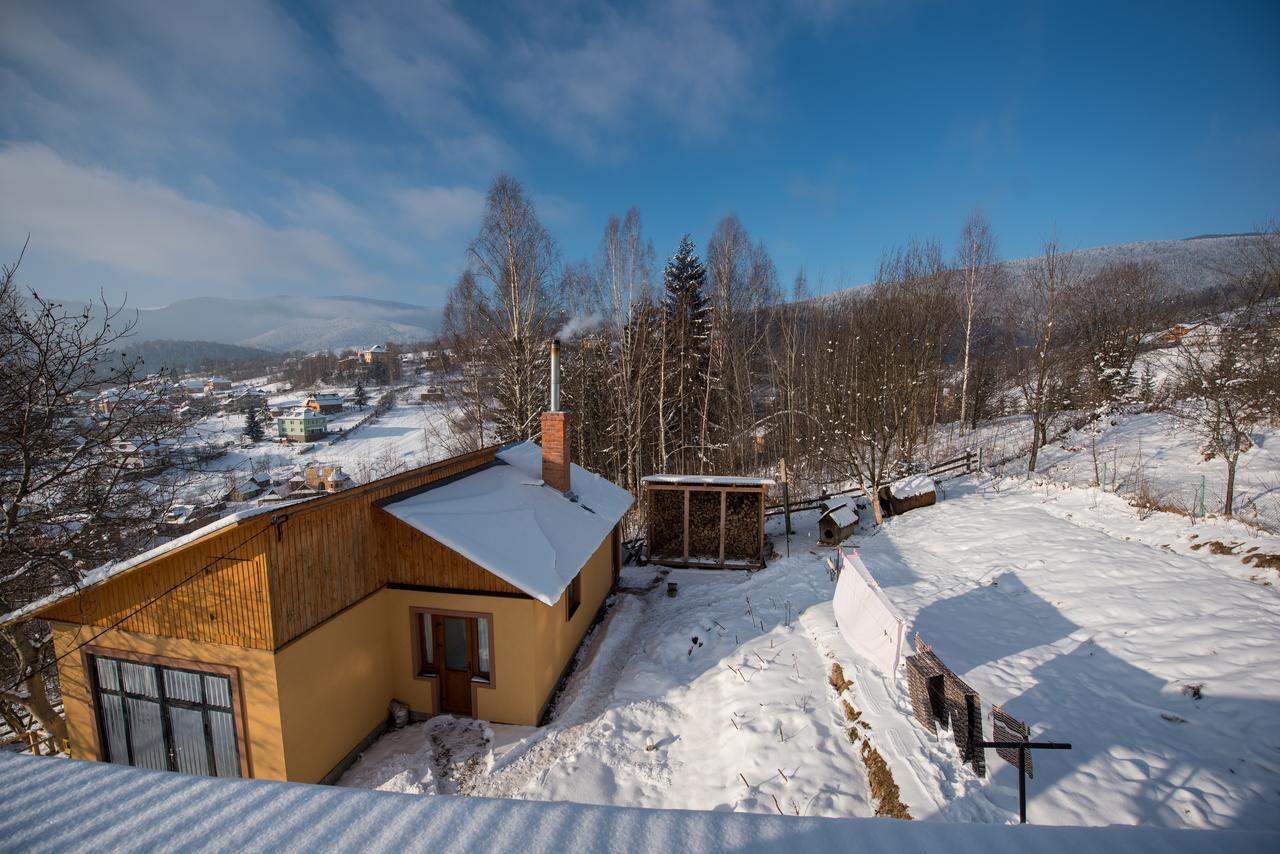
column 455, row 644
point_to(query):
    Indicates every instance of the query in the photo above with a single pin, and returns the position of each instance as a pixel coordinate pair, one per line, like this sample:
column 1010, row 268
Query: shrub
column 884, row 789
column 837, row 679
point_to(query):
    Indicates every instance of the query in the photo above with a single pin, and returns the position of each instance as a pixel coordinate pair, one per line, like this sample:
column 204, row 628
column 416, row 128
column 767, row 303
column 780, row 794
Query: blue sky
column 240, row 148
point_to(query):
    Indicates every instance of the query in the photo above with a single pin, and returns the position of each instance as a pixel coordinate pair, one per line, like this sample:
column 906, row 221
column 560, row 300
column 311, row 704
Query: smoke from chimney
column 576, row 326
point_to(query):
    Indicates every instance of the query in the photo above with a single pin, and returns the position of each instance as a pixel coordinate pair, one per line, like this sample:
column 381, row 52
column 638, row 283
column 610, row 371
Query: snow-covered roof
column 505, row 519
column 326, row 397
column 708, row 480
column 303, row 413
column 65, row 805
column 843, row 515
column 910, row 487
column 96, row 576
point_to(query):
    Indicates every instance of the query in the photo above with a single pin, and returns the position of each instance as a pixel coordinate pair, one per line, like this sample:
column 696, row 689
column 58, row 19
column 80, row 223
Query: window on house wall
column 166, row 718
column 573, row 596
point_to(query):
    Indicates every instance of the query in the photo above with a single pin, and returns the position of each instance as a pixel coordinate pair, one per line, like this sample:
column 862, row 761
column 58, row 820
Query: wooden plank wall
column 407, row 556
column 327, row 558
column 226, row 604
column 282, row 582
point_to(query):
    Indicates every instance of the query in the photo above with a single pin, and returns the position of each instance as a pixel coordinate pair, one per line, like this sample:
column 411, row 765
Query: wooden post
column 686, row 523
column 648, row 546
column 786, row 501
column 761, row 494
column 724, row 500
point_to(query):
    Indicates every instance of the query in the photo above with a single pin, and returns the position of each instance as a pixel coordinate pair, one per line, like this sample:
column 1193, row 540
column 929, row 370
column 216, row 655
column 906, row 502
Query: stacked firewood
column 666, row 520
column 704, row 525
column 742, row 526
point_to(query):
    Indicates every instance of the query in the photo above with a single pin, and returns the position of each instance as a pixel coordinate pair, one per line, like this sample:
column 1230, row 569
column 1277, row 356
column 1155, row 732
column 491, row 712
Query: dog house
column 706, row 521
column 838, row 520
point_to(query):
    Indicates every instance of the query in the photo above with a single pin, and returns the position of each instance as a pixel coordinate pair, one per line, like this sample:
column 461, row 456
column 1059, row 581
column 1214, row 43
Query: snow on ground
column 1095, row 625
column 1151, row 452
column 1104, row 630
column 410, row 434
column 683, row 697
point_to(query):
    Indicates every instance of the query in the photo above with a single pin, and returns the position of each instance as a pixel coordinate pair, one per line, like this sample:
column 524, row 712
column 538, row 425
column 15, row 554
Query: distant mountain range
column 1192, row 264
column 286, row 323
column 307, row 324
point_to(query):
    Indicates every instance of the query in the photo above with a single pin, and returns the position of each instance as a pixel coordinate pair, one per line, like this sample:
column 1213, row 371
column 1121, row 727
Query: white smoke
column 578, row 325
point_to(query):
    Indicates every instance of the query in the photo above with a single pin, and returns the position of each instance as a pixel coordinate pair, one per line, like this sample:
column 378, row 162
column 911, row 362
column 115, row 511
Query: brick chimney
column 555, row 432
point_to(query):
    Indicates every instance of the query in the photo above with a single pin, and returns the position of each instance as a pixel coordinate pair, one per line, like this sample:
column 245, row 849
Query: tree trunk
column 1232, row 461
column 36, row 700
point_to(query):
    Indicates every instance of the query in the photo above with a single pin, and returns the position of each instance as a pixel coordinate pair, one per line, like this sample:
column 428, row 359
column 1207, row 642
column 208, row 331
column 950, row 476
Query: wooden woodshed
column 706, row 521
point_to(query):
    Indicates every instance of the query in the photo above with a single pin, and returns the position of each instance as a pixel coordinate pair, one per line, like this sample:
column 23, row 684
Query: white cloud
column 441, row 211
column 687, row 64
column 146, row 75
column 99, row 216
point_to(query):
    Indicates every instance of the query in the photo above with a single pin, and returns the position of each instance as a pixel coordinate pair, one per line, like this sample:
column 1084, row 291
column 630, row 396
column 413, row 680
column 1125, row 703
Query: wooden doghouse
column 706, row 521
column 838, row 520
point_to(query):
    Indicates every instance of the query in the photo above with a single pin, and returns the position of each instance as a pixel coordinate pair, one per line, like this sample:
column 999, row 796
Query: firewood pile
column 666, row 523
column 704, row 525
column 721, row 515
column 742, row 526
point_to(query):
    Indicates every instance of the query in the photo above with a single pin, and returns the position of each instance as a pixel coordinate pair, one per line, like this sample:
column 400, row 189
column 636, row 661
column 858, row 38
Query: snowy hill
column 1192, row 264
column 283, row 323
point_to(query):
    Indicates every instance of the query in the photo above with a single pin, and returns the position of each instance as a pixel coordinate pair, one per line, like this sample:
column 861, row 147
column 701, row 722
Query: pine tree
column 359, row 396
column 252, row 426
column 686, row 355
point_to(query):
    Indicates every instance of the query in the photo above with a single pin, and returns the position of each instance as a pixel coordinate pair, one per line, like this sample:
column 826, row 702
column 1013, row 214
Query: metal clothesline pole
column 1022, row 747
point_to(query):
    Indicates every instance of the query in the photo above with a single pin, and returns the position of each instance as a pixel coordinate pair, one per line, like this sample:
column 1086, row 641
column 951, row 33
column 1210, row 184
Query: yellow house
column 270, row 643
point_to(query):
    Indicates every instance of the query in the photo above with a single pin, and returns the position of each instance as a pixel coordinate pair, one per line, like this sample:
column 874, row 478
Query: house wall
column 558, row 638
column 513, row 696
column 334, row 685
column 260, row 705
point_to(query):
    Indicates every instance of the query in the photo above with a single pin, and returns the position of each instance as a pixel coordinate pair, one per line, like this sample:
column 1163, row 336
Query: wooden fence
column 966, row 463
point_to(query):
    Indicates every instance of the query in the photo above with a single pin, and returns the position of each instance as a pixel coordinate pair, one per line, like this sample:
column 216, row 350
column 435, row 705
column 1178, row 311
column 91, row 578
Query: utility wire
column 208, row 566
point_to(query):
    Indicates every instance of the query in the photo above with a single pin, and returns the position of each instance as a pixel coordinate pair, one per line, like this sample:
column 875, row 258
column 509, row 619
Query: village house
column 214, row 384
column 323, row 477
column 302, row 425
column 377, row 354
column 273, row 640
column 324, row 402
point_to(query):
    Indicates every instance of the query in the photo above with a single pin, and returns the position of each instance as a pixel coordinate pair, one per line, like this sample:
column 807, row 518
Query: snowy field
column 410, row 434
column 1094, row 625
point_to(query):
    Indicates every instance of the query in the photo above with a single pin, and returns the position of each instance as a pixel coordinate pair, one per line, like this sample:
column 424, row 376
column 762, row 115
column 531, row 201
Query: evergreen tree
column 686, row 357
column 252, row 426
column 360, row 397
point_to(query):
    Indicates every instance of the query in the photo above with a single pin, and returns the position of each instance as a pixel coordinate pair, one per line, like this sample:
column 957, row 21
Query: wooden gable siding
column 326, row 557
column 267, row 583
column 226, row 604
column 408, row 556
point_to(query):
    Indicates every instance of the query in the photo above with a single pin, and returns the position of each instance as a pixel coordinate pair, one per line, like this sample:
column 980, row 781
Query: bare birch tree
column 1047, row 277
column 515, row 257
column 976, row 260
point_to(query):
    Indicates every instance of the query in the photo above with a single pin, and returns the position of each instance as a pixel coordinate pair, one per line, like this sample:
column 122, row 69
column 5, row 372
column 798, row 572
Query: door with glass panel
column 459, row 656
column 166, row 718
